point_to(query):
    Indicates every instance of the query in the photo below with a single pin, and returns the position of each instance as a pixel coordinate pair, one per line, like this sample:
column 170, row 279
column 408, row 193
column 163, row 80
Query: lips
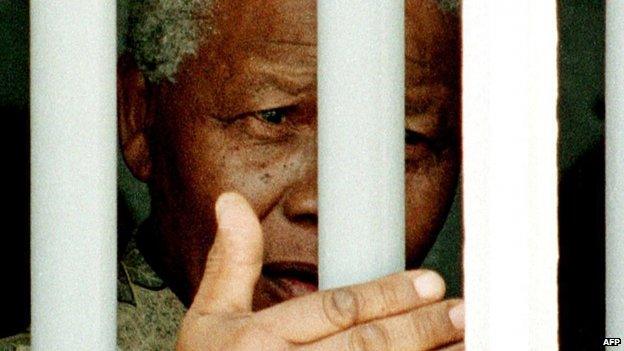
column 291, row 279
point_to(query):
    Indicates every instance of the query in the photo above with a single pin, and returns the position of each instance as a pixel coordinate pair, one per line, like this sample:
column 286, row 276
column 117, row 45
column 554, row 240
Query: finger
column 318, row 315
column 455, row 347
column 235, row 260
column 426, row 328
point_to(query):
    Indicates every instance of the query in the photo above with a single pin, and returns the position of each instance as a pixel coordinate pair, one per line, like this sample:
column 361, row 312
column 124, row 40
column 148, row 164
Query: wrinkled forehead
column 429, row 29
column 265, row 20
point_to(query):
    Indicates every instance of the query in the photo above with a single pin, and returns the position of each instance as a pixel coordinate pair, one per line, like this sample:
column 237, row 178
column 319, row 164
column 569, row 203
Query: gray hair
column 449, row 5
column 163, row 32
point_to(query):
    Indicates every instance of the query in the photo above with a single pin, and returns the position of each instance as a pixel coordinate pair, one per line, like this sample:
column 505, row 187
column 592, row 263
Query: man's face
column 242, row 117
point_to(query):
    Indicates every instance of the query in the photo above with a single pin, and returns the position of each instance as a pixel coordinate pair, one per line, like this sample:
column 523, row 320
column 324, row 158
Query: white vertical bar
column 361, row 113
column 510, row 174
column 614, row 158
column 73, row 191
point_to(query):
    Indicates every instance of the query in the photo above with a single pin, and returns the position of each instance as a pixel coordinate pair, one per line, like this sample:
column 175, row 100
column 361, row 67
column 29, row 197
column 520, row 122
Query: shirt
column 148, row 312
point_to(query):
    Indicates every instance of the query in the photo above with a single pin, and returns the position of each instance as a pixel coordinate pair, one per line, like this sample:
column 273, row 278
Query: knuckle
column 427, row 326
column 388, row 295
column 369, row 337
column 341, row 307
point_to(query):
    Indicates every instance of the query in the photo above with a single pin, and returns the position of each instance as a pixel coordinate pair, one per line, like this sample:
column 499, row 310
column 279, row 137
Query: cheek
column 262, row 173
column 429, row 193
column 198, row 162
column 218, row 159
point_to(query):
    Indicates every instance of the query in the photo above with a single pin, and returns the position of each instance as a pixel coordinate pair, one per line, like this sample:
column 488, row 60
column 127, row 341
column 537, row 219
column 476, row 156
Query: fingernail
column 429, row 285
column 456, row 314
column 224, row 203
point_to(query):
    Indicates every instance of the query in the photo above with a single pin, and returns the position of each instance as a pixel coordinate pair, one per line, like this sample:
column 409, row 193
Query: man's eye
column 414, row 138
column 274, row 124
column 273, row 116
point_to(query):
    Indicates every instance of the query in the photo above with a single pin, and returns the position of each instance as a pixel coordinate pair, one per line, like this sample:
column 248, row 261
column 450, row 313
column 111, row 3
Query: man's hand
column 403, row 311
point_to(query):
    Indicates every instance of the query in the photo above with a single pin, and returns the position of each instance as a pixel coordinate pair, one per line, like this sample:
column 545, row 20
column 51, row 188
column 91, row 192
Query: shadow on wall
column 14, row 241
column 582, row 253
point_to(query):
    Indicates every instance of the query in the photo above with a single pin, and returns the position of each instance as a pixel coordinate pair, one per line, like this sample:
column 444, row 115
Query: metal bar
column 73, row 162
column 361, row 114
column 614, row 157
column 510, row 174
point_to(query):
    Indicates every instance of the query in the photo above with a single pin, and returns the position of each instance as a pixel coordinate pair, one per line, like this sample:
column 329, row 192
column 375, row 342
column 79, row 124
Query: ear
column 135, row 117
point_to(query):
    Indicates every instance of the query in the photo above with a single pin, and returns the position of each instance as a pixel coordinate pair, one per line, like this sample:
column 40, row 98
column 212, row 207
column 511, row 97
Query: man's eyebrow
column 291, row 42
column 417, row 61
column 427, row 92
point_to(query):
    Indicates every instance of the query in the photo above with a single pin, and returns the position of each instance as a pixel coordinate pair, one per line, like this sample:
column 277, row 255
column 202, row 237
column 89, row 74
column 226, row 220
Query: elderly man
column 217, row 113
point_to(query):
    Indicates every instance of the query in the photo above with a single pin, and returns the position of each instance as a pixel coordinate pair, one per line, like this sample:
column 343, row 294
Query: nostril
column 300, row 204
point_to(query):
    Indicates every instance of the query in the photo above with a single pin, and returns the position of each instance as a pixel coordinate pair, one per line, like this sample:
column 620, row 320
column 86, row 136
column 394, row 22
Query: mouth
column 291, row 279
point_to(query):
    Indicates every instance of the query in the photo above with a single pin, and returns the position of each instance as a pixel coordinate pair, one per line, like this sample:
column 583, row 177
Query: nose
column 300, row 204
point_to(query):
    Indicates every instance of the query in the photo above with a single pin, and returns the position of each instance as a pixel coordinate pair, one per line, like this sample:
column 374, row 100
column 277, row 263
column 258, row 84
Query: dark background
column 14, row 238
column 581, row 161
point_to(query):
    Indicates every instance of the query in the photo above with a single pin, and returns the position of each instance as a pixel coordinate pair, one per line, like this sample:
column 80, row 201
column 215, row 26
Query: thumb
column 234, row 263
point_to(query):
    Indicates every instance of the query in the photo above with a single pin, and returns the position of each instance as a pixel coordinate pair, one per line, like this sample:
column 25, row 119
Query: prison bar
column 73, row 164
column 510, row 174
column 361, row 126
column 614, row 163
